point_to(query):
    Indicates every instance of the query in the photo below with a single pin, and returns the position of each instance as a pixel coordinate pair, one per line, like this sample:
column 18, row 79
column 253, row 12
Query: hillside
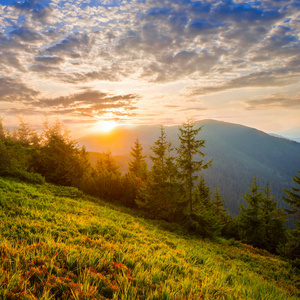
column 55, row 244
column 239, row 154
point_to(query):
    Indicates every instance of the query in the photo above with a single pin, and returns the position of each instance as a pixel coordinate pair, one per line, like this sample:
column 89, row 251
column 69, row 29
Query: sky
column 150, row 62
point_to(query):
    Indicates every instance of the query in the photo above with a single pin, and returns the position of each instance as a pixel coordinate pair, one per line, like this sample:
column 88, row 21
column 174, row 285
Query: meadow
column 57, row 243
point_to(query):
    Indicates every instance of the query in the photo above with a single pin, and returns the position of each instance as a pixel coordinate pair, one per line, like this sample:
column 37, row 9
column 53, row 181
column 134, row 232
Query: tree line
column 173, row 189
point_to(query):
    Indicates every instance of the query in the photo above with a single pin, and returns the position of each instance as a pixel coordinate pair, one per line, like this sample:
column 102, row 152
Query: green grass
column 57, row 245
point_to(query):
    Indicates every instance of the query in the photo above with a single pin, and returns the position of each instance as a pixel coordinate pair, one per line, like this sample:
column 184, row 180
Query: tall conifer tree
column 189, row 148
column 162, row 190
column 292, row 198
column 250, row 223
column 273, row 221
column 137, row 165
column 205, row 219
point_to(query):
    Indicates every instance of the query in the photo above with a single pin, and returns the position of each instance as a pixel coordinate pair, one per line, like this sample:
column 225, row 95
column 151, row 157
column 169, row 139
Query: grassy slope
column 56, row 245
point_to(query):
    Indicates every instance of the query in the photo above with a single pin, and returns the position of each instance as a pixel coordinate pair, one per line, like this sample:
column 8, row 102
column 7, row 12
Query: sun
column 105, row 126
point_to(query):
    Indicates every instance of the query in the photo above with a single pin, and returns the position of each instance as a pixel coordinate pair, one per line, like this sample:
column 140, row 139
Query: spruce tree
column 189, row 148
column 250, row 223
column 273, row 221
column 161, row 194
column 137, row 175
column 107, row 164
column 292, row 198
column 60, row 160
column 219, row 203
column 24, row 132
column 2, row 129
column 205, row 219
column 137, row 165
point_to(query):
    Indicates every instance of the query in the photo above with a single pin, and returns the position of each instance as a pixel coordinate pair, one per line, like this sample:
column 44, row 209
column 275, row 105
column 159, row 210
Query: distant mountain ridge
column 291, row 134
column 239, row 153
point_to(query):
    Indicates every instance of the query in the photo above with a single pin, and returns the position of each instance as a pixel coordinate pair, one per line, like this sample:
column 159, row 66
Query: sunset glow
column 105, row 126
column 150, row 62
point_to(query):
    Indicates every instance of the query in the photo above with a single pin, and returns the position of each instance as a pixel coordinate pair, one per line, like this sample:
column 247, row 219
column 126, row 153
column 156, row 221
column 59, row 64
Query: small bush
column 23, row 175
column 66, row 191
column 29, row 177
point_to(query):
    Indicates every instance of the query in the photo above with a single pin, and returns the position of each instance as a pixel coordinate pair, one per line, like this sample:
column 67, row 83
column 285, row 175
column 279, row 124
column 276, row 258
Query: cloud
column 10, row 44
column 14, row 90
column 231, row 44
column 11, row 60
column 175, row 66
column 72, row 46
column 38, row 9
column 274, row 100
column 244, row 12
column 41, row 68
column 106, row 74
column 90, row 103
column 204, row 27
column 272, row 78
column 14, row 111
column 157, row 41
column 49, row 60
column 26, row 35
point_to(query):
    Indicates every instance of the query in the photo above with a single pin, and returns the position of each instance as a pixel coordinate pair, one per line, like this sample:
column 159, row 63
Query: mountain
column 239, row 153
column 57, row 243
column 291, row 134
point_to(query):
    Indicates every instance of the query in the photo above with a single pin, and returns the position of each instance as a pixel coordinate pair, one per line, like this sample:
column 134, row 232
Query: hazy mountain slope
column 239, row 154
column 57, row 245
column 292, row 134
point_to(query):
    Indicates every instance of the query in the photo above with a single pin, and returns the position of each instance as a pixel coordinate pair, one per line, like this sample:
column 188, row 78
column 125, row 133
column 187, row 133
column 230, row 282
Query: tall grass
column 57, row 245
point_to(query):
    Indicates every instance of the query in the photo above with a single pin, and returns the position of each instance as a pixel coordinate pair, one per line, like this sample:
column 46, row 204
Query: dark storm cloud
column 275, row 100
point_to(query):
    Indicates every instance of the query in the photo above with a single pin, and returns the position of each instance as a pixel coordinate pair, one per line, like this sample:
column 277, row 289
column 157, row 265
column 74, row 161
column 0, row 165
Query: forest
column 173, row 189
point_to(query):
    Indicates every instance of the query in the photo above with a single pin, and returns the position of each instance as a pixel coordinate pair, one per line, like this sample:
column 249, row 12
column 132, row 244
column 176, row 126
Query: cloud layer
column 208, row 46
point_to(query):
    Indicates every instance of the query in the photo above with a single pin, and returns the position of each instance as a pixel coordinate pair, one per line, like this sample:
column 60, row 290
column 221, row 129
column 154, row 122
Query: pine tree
column 273, row 221
column 2, row 129
column 108, row 164
column 190, row 147
column 292, row 198
column 205, row 219
column 162, row 190
column 60, row 160
column 250, row 223
column 26, row 135
column 219, row 203
column 137, row 165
